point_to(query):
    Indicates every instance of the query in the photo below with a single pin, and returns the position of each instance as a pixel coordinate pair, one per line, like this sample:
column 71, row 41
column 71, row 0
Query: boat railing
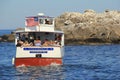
column 32, row 44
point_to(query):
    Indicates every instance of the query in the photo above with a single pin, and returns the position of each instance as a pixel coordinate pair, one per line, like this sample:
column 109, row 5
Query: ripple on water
column 79, row 63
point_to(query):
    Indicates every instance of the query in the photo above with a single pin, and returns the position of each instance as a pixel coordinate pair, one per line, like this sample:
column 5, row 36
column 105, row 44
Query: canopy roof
column 39, row 16
column 23, row 31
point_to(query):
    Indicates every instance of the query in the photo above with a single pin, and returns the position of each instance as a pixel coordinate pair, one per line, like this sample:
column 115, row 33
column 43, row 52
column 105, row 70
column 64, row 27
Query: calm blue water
column 2, row 32
column 79, row 63
column 82, row 62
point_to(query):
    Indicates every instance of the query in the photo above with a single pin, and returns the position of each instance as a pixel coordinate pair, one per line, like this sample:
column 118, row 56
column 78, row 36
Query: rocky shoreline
column 85, row 28
column 7, row 38
column 90, row 27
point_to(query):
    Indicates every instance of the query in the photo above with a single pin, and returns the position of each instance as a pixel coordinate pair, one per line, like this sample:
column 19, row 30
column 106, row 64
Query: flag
column 31, row 21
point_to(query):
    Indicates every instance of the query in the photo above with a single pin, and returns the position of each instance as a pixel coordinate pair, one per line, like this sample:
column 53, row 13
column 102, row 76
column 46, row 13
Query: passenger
column 19, row 43
column 31, row 44
column 56, row 43
column 23, row 38
column 51, row 43
column 31, row 39
column 26, row 44
column 46, row 21
column 46, row 43
column 37, row 42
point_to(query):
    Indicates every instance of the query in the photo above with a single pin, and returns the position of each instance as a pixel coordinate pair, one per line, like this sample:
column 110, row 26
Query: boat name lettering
column 50, row 49
column 38, row 51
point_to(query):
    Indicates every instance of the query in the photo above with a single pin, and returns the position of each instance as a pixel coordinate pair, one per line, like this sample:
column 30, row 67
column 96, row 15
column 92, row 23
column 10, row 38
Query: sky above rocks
column 13, row 12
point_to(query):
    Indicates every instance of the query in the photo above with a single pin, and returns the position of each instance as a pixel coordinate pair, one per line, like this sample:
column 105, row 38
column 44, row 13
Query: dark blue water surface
column 2, row 32
column 82, row 62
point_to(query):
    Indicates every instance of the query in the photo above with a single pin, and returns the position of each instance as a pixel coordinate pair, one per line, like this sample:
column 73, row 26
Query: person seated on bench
column 26, row 44
column 19, row 43
column 46, row 42
column 37, row 42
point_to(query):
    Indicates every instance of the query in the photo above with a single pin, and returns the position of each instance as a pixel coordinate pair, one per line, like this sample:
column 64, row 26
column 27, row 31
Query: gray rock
column 90, row 27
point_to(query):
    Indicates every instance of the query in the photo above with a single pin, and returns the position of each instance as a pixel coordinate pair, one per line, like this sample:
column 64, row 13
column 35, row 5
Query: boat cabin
column 42, row 28
column 39, row 23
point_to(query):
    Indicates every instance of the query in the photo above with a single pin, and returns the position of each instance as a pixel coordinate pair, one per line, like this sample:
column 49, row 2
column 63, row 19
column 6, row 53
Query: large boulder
column 90, row 27
column 7, row 38
column 11, row 38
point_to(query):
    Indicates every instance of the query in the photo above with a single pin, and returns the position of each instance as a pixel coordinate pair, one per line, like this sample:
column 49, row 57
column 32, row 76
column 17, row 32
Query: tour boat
column 39, row 44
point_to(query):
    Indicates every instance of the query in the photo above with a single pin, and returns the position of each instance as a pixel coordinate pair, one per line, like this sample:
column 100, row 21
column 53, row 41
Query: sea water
column 83, row 62
column 3, row 32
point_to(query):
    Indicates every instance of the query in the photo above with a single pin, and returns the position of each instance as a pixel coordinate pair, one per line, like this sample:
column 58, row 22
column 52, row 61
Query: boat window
column 41, row 21
column 58, row 37
column 49, row 21
column 30, row 39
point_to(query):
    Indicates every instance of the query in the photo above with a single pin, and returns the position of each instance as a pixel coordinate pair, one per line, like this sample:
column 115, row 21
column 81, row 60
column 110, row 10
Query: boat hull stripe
column 37, row 61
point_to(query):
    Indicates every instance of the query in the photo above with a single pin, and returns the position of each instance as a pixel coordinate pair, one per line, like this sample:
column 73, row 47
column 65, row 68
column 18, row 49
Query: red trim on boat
column 37, row 61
